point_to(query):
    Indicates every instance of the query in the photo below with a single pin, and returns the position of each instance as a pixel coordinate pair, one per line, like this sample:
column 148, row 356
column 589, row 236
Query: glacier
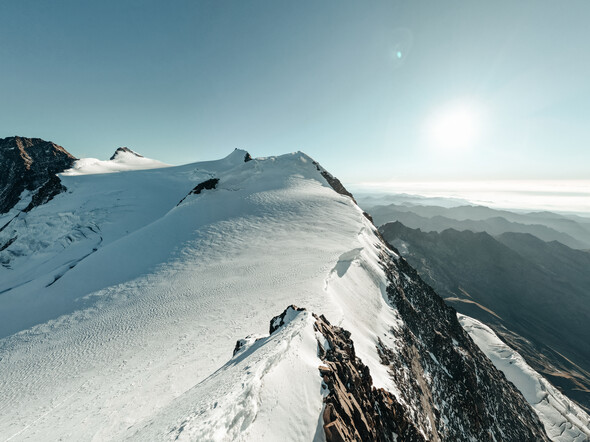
column 122, row 298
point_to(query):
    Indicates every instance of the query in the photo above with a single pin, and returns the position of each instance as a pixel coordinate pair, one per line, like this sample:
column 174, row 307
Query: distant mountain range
column 571, row 230
column 535, row 294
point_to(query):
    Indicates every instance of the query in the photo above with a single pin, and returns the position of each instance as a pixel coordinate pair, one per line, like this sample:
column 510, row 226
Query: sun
column 456, row 126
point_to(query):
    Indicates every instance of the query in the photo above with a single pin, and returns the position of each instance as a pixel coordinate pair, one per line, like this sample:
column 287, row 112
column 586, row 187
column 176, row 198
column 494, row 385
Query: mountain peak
column 122, row 151
column 30, row 162
column 239, row 154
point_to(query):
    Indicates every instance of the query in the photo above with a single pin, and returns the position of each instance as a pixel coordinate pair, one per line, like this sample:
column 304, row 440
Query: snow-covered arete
column 105, row 328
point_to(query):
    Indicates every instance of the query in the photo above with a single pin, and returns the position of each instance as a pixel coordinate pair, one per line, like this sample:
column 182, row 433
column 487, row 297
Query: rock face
column 28, row 164
column 205, row 185
column 283, row 318
column 455, row 391
column 333, row 181
column 355, row 409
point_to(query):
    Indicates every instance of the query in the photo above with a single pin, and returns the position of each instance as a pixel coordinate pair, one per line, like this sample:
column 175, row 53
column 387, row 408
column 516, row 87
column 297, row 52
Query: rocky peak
column 28, row 163
column 124, row 150
column 284, row 318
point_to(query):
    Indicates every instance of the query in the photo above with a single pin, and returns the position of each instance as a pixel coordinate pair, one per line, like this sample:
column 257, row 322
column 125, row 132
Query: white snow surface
column 563, row 419
column 122, row 161
column 120, row 307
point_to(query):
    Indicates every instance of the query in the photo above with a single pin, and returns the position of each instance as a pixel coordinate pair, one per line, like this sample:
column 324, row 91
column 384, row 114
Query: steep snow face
column 563, row 419
column 122, row 160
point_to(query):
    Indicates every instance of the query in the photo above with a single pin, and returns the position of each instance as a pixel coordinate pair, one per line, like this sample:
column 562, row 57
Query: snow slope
column 106, row 331
column 266, row 391
column 122, row 299
column 563, row 419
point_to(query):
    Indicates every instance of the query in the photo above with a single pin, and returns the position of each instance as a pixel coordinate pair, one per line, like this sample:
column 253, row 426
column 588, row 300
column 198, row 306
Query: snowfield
column 121, row 301
column 106, row 332
column 563, row 419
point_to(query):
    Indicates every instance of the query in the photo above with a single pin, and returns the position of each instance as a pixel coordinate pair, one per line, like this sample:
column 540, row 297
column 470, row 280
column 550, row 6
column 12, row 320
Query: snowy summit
column 123, row 159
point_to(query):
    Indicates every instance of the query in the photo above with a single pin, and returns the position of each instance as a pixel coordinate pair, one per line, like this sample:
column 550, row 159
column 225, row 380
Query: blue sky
column 357, row 85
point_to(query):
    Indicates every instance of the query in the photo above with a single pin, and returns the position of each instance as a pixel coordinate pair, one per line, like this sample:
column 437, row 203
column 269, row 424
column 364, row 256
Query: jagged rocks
column 205, row 185
column 284, row 318
column 27, row 164
column 333, row 181
column 355, row 410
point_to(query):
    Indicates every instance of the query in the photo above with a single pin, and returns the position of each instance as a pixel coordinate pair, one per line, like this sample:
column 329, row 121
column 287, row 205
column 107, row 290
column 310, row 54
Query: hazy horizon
column 560, row 196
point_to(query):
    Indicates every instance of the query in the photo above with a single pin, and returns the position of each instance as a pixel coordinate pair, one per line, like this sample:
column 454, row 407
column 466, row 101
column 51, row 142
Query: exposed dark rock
column 457, row 392
column 333, row 181
column 239, row 345
column 7, row 243
column 205, row 185
column 369, row 217
column 283, row 318
column 247, row 157
column 247, row 341
column 27, row 164
column 46, row 192
column 125, row 150
column 355, row 410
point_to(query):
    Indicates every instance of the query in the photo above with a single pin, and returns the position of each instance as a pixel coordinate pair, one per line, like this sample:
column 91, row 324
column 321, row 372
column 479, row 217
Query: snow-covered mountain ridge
column 122, row 298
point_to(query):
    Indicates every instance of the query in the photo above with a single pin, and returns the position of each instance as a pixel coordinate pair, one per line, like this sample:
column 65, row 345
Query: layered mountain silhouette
column 535, row 294
column 571, row 230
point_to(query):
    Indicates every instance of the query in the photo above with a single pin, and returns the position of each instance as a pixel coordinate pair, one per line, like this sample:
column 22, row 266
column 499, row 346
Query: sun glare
column 455, row 127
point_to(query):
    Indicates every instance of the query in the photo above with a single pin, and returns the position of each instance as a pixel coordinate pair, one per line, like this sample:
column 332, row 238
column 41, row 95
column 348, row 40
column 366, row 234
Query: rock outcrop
column 355, row 410
column 455, row 391
column 333, row 181
column 280, row 320
column 28, row 164
column 123, row 150
column 205, row 185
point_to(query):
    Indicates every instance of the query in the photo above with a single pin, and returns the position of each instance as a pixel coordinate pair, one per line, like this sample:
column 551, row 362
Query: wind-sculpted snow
column 562, row 418
column 270, row 390
column 120, row 307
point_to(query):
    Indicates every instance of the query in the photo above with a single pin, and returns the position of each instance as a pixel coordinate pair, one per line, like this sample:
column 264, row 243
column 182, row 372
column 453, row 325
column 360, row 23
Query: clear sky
column 375, row 91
